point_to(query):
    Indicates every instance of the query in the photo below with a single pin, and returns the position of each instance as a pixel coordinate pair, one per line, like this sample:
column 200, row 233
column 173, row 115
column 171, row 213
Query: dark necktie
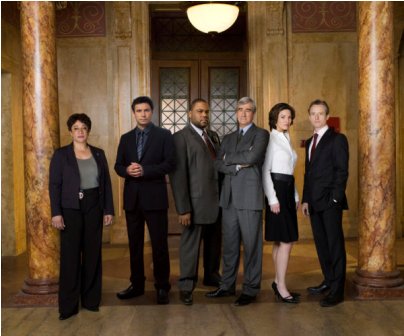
column 140, row 138
column 240, row 135
column 313, row 147
column 209, row 144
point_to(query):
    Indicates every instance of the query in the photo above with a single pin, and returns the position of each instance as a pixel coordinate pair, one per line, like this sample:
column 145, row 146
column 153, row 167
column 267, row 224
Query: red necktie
column 313, row 147
column 209, row 144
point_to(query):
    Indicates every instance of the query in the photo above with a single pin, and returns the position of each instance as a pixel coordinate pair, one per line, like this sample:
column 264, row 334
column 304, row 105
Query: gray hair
column 247, row 100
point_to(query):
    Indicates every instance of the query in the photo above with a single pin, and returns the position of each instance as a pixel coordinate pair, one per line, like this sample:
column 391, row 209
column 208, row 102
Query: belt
column 282, row 177
column 84, row 192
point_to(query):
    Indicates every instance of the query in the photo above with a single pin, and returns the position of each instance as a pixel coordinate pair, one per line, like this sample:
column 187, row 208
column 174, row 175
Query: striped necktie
column 209, row 145
column 140, row 139
column 313, row 147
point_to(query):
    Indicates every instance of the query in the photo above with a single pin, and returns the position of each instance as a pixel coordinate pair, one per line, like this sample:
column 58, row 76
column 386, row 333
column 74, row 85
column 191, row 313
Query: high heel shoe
column 275, row 288
column 288, row 299
column 293, row 298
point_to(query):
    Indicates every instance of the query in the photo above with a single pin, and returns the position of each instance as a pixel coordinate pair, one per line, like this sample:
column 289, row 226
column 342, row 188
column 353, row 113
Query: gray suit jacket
column 195, row 180
column 244, row 187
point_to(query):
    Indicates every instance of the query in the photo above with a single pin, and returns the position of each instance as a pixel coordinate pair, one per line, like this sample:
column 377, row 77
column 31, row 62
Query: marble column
column 41, row 137
column 377, row 275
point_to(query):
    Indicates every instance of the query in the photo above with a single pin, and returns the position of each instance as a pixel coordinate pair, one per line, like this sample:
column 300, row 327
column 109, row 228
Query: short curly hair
column 274, row 114
column 82, row 117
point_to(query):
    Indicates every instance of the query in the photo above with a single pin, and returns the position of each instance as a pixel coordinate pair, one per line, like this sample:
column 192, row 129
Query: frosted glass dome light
column 212, row 17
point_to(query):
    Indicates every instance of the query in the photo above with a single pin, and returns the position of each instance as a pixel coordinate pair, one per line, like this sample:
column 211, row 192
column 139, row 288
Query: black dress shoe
column 130, row 293
column 331, row 300
column 162, row 297
column 318, row 289
column 219, row 293
column 211, row 283
column 93, row 309
column 186, row 297
column 244, row 300
column 63, row 316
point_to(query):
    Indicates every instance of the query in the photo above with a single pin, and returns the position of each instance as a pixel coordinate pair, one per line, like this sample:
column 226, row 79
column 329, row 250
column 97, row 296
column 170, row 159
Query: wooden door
column 176, row 83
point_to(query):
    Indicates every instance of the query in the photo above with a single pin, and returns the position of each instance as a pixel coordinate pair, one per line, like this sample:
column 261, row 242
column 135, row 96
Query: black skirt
column 282, row 227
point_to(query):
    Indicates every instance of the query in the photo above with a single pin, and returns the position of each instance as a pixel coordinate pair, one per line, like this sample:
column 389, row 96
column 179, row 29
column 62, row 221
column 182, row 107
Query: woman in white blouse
column 282, row 197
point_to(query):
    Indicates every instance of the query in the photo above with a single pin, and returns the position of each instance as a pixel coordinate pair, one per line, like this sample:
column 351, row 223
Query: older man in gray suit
column 195, row 188
column 240, row 158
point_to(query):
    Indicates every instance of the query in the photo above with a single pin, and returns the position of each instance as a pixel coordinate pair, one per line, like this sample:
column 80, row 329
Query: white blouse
column 280, row 158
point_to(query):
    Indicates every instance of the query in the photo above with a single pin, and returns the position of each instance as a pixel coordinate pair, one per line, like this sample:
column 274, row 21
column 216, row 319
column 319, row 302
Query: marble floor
column 141, row 316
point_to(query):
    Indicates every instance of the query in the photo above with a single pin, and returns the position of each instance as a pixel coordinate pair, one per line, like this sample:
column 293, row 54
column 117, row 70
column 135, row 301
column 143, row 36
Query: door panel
column 176, row 83
column 223, row 84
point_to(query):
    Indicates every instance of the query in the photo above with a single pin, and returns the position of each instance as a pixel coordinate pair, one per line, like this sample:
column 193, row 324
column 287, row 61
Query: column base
column 34, row 300
column 377, row 285
column 43, row 292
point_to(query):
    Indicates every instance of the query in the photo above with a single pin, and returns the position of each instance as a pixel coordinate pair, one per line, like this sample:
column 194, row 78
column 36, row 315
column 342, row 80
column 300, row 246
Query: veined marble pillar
column 41, row 137
column 376, row 275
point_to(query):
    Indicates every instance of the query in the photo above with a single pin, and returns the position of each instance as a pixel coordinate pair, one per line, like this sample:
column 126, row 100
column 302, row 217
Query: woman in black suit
column 81, row 201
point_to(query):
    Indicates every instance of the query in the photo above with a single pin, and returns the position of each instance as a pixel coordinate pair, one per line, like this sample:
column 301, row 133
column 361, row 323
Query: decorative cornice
column 274, row 18
column 80, row 19
column 122, row 19
column 323, row 16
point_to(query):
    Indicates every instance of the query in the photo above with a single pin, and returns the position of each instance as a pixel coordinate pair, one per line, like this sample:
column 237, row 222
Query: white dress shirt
column 280, row 158
column 200, row 132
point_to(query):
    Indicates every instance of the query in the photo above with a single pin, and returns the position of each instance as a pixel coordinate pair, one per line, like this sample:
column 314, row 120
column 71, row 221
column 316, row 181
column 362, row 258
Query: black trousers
column 212, row 249
column 330, row 245
column 80, row 255
column 157, row 223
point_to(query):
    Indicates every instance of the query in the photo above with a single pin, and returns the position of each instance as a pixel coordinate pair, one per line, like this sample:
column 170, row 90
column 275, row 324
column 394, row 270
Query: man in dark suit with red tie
column 324, row 199
column 145, row 155
column 195, row 185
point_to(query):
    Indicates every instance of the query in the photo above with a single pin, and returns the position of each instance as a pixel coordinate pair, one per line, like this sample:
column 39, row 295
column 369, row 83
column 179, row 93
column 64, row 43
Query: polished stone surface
column 377, row 152
column 41, row 138
column 142, row 316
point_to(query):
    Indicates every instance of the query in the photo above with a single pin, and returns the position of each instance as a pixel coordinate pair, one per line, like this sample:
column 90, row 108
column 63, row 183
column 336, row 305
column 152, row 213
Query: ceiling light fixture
column 212, row 17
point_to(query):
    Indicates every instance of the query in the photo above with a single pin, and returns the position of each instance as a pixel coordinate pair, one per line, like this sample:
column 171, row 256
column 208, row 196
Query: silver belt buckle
column 81, row 195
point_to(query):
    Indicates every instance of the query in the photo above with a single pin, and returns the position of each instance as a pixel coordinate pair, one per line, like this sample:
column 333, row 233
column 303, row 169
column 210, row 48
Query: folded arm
column 251, row 156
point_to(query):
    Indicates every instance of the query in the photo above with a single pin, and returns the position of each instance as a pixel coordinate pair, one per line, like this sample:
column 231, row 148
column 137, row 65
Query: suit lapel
column 215, row 140
column 71, row 157
column 247, row 136
column 233, row 142
column 321, row 144
column 96, row 155
column 194, row 134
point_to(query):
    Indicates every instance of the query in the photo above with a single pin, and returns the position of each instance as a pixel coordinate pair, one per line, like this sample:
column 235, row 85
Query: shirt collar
column 246, row 128
column 146, row 130
column 321, row 131
column 280, row 134
column 197, row 129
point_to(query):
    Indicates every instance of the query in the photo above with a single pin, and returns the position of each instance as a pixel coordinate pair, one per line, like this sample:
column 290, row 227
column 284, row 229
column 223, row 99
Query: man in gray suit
column 195, row 188
column 240, row 158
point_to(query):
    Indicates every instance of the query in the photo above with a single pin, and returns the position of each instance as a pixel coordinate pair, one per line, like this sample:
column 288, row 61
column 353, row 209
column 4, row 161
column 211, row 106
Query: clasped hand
column 135, row 169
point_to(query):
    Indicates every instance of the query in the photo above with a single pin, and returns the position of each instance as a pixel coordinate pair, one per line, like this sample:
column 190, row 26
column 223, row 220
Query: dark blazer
column 326, row 174
column 158, row 159
column 243, row 188
column 194, row 181
column 64, row 180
